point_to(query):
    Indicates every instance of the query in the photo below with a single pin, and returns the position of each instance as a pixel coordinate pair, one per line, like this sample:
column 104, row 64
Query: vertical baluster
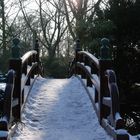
column 24, row 69
column 34, row 57
column 28, row 81
column 94, row 69
column 89, row 83
column 37, row 70
column 96, row 95
column 30, row 61
column 83, row 75
column 86, row 61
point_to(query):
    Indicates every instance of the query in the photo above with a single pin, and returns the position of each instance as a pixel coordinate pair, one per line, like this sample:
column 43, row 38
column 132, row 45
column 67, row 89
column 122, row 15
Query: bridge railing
column 22, row 73
column 99, row 77
column 6, row 107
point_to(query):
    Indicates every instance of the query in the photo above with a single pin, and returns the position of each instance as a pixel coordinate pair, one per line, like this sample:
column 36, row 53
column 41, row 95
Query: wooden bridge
column 97, row 73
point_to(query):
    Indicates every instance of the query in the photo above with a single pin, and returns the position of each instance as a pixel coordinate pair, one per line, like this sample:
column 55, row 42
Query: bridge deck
column 59, row 109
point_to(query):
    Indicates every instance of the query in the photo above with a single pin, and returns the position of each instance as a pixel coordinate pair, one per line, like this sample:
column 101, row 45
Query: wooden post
column 37, row 71
column 86, row 61
column 34, row 38
column 8, row 96
column 105, row 63
column 37, row 49
column 15, row 63
column 28, row 81
column 77, row 49
column 89, row 83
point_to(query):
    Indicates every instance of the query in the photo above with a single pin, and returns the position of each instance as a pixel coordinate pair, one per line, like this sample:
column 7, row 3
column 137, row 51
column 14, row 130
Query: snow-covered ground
column 59, row 109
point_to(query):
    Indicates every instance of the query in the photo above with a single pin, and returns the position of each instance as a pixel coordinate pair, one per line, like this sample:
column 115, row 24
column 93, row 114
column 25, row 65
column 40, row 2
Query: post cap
column 105, row 52
column 16, row 41
column 105, row 42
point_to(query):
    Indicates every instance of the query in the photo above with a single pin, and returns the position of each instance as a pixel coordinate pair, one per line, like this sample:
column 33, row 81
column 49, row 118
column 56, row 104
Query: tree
column 125, row 16
column 3, row 25
column 50, row 23
column 7, row 19
column 79, row 13
column 86, row 21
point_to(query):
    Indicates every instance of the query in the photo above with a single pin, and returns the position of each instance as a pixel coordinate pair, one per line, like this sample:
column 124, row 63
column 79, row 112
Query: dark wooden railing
column 104, row 94
column 22, row 73
column 6, row 118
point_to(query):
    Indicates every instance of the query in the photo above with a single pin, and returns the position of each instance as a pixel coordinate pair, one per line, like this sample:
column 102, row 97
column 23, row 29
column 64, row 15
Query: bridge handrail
column 27, row 70
column 91, row 57
column 106, row 95
column 28, row 59
column 22, row 72
column 112, row 100
column 27, row 55
column 94, row 81
column 29, row 74
column 5, row 120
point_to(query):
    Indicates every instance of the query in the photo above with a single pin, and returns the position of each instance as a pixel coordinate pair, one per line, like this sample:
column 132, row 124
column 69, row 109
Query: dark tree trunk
column 3, row 27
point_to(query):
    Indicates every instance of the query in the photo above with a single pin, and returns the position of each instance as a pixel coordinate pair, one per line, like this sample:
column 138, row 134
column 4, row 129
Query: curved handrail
column 91, row 57
column 93, row 62
column 115, row 118
column 27, row 55
column 27, row 69
column 24, row 71
column 28, row 74
column 85, row 64
column 8, row 97
column 94, row 81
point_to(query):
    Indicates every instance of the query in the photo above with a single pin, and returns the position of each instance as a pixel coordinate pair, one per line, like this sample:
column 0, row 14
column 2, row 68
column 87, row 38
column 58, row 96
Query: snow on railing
column 25, row 69
column 98, row 73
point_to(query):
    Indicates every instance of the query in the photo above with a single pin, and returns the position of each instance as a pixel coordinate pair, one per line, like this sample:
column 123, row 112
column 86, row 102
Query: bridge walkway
column 59, row 109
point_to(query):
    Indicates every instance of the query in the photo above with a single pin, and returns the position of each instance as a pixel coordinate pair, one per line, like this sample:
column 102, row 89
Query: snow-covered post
column 105, row 63
column 15, row 63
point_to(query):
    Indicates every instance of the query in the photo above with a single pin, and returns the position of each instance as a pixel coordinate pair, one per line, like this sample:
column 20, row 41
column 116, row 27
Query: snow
column 59, row 109
column 2, row 86
column 3, row 134
column 3, row 119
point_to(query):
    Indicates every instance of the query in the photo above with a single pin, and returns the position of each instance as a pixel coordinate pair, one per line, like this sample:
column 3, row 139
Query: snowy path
column 59, row 110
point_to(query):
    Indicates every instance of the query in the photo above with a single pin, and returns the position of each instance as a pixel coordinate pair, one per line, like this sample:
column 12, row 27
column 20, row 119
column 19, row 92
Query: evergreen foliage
column 125, row 16
column 55, row 67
